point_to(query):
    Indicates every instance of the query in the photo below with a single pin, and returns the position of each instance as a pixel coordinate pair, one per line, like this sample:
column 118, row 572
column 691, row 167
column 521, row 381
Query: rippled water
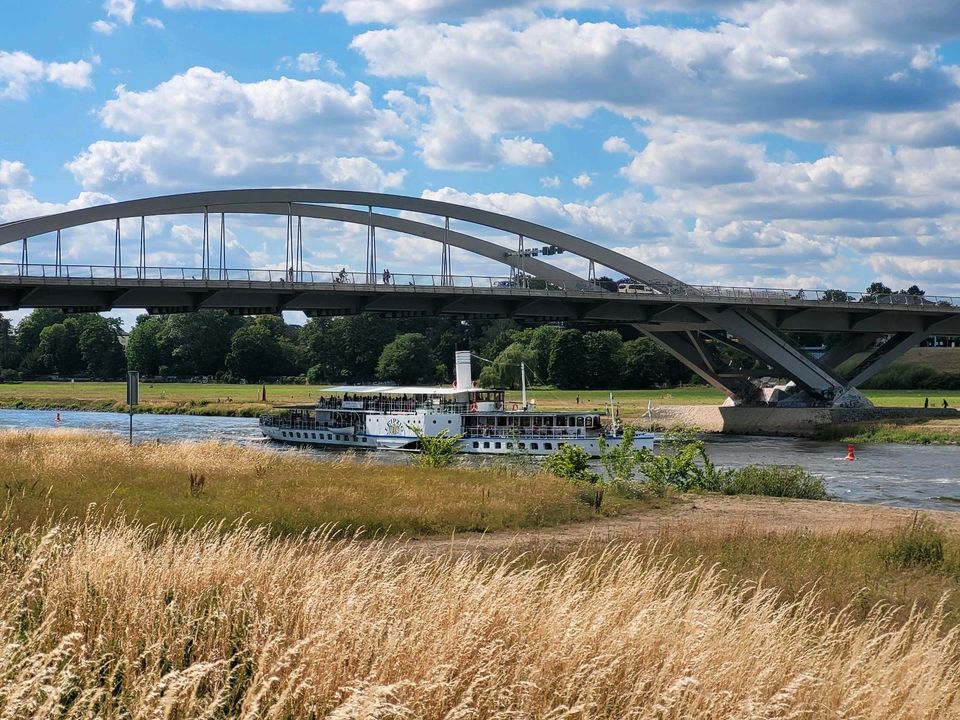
column 904, row 475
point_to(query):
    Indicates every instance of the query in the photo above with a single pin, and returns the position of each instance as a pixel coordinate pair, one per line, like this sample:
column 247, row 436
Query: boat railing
column 528, row 432
column 394, row 406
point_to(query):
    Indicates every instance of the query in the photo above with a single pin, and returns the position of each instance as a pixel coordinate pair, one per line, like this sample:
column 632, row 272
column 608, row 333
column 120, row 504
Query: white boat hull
column 487, row 445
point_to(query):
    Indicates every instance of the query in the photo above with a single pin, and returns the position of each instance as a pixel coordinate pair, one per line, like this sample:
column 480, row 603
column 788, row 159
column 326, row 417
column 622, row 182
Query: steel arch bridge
column 689, row 321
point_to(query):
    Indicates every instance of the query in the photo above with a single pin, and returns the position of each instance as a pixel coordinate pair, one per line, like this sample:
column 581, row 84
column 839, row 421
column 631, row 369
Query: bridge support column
column 850, row 345
column 688, row 348
column 895, row 346
column 768, row 344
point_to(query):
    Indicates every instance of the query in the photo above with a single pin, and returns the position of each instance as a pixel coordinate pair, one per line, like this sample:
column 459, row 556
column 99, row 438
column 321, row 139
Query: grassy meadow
column 64, row 473
column 106, row 620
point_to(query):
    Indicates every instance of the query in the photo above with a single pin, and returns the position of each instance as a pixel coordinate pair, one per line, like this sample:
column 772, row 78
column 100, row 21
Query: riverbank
column 108, row 619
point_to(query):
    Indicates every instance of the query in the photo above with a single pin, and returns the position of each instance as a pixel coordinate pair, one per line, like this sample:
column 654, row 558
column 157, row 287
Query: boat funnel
column 464, row 377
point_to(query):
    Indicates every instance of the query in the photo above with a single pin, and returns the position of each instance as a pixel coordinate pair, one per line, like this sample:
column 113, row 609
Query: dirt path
column 714, row 515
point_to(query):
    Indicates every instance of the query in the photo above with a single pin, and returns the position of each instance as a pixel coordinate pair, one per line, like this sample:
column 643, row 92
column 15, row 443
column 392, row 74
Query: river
column 913, row 476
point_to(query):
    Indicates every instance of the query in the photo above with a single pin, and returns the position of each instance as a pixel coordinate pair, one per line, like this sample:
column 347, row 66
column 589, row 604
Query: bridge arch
column 273, row 199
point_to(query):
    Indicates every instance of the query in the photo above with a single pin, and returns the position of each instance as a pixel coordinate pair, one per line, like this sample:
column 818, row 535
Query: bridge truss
column 689, row 321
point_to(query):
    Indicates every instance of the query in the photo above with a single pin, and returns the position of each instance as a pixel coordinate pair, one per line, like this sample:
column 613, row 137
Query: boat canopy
column 395, row 390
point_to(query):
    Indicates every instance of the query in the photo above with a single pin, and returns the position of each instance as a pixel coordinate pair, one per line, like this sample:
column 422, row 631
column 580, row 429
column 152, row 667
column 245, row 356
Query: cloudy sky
column 811, row 143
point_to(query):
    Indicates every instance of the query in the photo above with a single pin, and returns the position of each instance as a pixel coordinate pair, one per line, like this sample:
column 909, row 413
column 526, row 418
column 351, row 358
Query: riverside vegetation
column 106, row 620
column 154, row 614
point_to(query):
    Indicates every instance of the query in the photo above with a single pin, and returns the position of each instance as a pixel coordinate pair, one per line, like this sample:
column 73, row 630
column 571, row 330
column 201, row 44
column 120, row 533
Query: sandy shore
column 701, row 514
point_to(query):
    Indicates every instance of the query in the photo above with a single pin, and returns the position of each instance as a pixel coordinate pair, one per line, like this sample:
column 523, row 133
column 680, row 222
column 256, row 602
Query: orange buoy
column 850, row 455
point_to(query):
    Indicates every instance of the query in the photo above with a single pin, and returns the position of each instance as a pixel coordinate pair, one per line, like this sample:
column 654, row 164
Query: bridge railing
column 351, row 279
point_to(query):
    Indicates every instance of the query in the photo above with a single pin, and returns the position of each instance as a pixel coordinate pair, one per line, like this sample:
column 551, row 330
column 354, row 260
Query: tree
column 645, row 365
column 59, row 349
column 835, row 296
column 28, row 338
column 914, row 290
column 878, row 288
column 504, row 371
column 345, row 349
column 540, row 342
column 567, row 359
column 9, row 351
column 143, row 350
column 603, row 364
column 254, row 353
column 197, row 343
column 405, row 360
column 100, row 348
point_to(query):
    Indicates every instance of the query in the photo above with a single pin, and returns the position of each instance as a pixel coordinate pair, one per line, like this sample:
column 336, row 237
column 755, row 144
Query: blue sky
column 811, row 143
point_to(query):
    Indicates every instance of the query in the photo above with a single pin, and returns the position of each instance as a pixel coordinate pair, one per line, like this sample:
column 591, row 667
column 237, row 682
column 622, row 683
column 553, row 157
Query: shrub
column 571, row 463
column 920, row 544
column 436, row 450
column 775, row 481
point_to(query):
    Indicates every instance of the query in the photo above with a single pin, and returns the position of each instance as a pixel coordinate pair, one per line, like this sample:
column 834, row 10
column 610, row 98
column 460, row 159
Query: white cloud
column 524, row 151
column 153, row 22
column 121, row 10
column 70, row 74
column 207, row 127
column 238, row 5
column 14, row 175
column 20, row 72
column 309, row 62
column 359, row 173
column 551, row 181
column 103, row 27
column 681, row 160
column 616, row 144
column 583, row 180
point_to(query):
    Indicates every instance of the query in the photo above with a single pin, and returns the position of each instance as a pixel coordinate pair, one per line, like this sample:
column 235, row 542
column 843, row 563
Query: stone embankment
column 803, row 422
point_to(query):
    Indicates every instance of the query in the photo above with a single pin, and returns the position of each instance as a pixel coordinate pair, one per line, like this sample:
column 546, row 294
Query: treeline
column 353, row 349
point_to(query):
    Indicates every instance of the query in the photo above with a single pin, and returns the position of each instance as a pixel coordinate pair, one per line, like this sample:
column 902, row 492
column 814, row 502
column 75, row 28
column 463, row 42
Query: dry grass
column 109, row 621
column 54, row 473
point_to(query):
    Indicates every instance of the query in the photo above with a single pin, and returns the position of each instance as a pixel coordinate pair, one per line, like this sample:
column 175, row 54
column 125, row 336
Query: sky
column 807, row 143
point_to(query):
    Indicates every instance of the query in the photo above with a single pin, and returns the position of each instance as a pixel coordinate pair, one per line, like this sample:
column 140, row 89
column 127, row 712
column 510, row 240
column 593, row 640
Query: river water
column 914, row 476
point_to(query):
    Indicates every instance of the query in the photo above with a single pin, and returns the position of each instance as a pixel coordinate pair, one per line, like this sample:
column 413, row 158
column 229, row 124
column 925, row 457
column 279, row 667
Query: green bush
column 920, row 544
column 571, row 463
column 438, row 450
column 775, row 481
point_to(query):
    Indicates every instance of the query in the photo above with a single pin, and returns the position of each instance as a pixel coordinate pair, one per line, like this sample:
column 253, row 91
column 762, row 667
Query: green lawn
column 222, row 399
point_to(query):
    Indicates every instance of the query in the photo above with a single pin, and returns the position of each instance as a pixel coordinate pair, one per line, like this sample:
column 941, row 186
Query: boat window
column 363, row 439
column 476, row 444
column 313, row 436
column 523, row 446
column 548, row 446
column 589, row 422
column 534, row 446
column 486, row 446
column 562, row 421
column 284, row 432
column 496, row 446
column 329, row 436
column 536, row 421
column 434, row 422
column 580, row 421
column 298, row 434
column 509, row 446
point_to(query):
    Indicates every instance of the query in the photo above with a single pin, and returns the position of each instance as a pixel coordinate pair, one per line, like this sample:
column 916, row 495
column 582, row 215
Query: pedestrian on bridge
column 386, row 276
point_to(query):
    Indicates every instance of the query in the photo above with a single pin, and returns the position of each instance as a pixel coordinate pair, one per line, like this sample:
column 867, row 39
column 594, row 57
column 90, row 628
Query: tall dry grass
column 47, row 473
column 110, row 621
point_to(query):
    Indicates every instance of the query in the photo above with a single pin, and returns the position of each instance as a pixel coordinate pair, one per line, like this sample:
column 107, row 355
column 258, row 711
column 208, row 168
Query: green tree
column 835, row 296
column 197, row 343
column 567, row 359
column 144, row 352
column 100, row 349
column 504, row 371
column 254, row 353
column 405, row 360
column 345, row 349
column 540, row 343
column 603, row 365
column 28, row 338
column 878, row 288
column 59, row 349
column 646, row 365
column 9, row 351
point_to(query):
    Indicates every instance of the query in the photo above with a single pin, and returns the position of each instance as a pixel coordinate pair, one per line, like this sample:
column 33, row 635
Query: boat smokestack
column 464, row 376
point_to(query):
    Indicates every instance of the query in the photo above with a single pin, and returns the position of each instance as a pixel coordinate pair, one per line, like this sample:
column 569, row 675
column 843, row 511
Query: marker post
column 133, row 396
